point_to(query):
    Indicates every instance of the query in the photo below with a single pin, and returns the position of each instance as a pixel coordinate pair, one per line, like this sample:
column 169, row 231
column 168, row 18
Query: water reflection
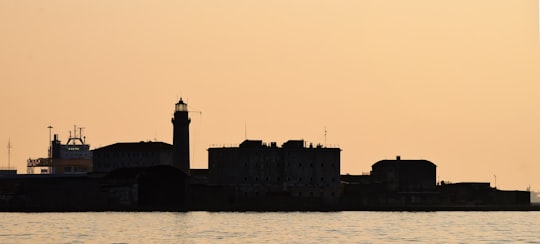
column 294, row 227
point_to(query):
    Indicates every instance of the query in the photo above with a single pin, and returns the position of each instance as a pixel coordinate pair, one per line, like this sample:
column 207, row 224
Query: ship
column 74, row 157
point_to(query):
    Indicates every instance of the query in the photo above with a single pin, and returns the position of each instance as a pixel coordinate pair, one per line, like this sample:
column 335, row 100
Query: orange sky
column 456, row 82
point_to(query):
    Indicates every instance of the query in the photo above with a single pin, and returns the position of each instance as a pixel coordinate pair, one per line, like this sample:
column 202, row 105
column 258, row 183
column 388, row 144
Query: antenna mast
column 9, row 152
column 80, row 134
column 50, row 142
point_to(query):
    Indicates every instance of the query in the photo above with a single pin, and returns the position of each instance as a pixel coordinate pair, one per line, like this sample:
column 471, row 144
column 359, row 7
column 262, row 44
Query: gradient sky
column 456, row 82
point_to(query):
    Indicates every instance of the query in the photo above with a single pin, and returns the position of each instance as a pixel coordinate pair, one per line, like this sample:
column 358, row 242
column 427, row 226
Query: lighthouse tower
column 180, row 123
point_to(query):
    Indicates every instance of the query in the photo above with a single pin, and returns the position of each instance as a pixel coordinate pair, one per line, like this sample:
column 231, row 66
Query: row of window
column 74, row 169
column 300, row 179
column 300, row 165
column 314, row 194
column 299, row 194
column 107, row 165
column 125, row 154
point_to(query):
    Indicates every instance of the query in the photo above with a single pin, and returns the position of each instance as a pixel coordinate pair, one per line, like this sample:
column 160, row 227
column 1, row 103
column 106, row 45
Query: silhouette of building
column 156, row 188
column 132, row 154
column 256, row 169
column 8, row 171
column 160, row 187
column 180, row 123
column 480, row 193
column 405, row 175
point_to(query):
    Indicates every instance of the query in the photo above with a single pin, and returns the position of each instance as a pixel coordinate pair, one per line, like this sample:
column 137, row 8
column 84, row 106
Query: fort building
column 256, row 169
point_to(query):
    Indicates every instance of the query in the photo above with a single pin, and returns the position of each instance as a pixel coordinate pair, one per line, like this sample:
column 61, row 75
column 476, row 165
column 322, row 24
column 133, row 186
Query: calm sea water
column 293, row 227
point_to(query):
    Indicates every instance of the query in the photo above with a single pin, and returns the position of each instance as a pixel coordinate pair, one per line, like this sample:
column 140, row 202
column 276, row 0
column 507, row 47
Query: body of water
column 279, row 227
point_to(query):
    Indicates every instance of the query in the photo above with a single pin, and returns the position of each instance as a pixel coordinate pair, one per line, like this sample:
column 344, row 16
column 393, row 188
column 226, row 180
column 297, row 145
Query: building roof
column 251, row 144
column 293, row 144
column 136, row 146
column 258, row 144
column 399, row 161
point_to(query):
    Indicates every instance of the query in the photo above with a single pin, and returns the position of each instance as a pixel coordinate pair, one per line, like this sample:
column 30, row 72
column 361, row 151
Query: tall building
column 180, row 123
column 256, row 169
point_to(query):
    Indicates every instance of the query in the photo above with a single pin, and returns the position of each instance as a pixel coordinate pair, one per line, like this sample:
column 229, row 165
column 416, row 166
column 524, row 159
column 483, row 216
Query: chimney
column 398, row 157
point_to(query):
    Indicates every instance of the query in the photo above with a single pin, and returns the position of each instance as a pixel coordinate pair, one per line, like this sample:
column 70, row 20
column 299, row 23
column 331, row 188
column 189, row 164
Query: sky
column 455, row 82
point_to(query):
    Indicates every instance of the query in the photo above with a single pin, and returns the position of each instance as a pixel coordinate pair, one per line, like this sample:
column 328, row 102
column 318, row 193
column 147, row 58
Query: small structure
column 405, row 175
column 391, row 183
column 480, row 193
column 7, row 171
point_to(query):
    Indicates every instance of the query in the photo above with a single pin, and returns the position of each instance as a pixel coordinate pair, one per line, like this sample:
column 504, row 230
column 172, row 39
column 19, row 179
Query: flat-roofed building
column 405, row 175
column 131, row 154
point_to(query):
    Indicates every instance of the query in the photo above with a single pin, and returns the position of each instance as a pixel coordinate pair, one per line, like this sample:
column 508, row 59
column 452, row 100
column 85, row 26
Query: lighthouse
column 180, row 123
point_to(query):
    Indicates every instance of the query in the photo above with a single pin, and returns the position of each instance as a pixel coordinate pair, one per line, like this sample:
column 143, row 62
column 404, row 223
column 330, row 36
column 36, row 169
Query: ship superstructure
column 74, row 157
